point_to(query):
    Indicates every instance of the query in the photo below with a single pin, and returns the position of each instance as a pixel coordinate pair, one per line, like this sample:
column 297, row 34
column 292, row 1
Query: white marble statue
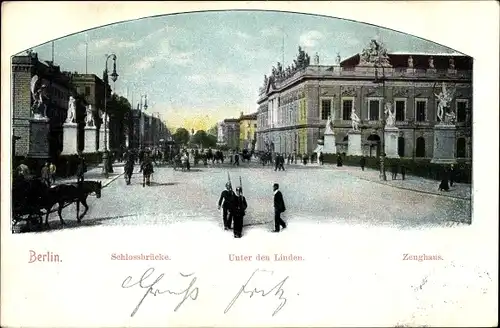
column 410, row 62
column 329, row 126
column 316, row 59
column 337, row 60
column 71, row 117
column 444, row 98
column 89, row 116
column 355, row 120
column 105, row 120
column 449, row 118
column 391, row 117
column 431, row 62
column 452, row 63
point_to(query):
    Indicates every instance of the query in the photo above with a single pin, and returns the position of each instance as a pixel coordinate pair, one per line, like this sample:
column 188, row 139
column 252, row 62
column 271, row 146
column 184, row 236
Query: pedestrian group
column 234, row 206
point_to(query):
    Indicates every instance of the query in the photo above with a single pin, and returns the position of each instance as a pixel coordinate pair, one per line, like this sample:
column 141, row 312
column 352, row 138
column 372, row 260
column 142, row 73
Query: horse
column 246, row 155
column 219, row 156
column 65, row 194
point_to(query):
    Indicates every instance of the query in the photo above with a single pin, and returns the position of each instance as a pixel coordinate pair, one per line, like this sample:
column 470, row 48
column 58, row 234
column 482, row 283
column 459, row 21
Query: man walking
column 236, row 159
column 226, row 200
column 362, row 163
column 52, row 172
column 279, row 207
column 281, row 162
column 46, row 174
column 80, row 170
column 321, row 158
column 240, row 205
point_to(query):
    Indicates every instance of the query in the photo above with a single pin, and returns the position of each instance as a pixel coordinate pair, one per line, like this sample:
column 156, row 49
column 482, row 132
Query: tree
column 204, row 139
column 213, row 130
column 181, row 136
column 118, row 109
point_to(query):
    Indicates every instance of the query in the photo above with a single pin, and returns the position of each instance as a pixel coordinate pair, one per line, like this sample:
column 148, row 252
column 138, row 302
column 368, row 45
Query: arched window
column 420, row 151
column 461, row 148
column 401, row 147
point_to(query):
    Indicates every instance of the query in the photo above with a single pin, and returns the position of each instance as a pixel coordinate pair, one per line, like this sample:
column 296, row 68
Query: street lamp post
column 114, row 77
column 383, row 176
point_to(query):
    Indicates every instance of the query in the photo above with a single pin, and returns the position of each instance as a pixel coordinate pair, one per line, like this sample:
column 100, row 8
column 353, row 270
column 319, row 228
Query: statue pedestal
column 39, row 138
column 391, row 142
column 70, row 145
column 329, row 145
column 90, row 139
column 101, row 139
column 444, row 144
column 354, row 144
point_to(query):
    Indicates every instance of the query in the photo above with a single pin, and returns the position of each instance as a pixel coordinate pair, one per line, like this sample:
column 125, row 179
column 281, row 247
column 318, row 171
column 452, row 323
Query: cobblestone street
column 312, row 193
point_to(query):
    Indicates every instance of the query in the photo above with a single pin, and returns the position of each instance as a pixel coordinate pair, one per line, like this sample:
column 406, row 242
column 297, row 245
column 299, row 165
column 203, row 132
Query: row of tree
column 200, row 137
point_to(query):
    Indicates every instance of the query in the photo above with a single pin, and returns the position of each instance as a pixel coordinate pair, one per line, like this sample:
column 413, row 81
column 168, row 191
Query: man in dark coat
column 339, row 160
column 281, row 162
column 362, row 163
column 227, row 196
column 321, row 158
column 147, row 170
column 452, row 175
column 240, row 205
column 81, row 169
column 279, row 207
column 444, row 181
column 129, row 168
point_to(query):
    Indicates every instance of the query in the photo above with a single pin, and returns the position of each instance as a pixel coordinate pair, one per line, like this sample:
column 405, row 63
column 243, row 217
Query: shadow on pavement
column 70, row 224
column 154, row 184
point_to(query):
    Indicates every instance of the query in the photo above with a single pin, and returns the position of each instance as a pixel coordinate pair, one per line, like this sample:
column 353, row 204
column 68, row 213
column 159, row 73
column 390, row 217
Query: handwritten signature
column 278, row 289
column 189, row 292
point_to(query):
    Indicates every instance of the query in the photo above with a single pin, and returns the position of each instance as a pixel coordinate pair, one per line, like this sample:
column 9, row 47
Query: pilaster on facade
column 321, row 90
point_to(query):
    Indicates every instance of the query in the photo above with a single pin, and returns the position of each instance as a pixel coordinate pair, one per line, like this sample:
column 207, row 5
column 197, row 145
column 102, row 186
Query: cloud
column 146, row 62
column 311, row 39
column 101, row 43
column 271, row 31
column 126, row 44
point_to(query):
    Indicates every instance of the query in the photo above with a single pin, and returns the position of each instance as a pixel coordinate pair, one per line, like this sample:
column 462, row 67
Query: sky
column 199, row 68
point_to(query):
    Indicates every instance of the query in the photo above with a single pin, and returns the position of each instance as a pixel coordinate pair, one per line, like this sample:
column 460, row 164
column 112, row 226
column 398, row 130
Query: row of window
column 286, row 113
column 399, row 106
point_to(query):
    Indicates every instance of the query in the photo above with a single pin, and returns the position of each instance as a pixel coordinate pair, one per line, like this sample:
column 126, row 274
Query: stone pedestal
column 39, row 138
column 329, row 145
column 444, row 144
column 90, row 139
column 391, row 142
column 354, row 144
column 70, row 144
column 102, row 138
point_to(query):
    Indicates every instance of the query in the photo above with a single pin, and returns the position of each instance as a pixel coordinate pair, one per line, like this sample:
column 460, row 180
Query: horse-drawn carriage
column 32, row 199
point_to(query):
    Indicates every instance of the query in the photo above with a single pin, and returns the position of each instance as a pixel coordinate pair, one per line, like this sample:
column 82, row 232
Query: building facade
column 58, row 90
column 91, row 88
column 232, row 133
column 248, row 126
column 146, row 130
column 295, row 103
